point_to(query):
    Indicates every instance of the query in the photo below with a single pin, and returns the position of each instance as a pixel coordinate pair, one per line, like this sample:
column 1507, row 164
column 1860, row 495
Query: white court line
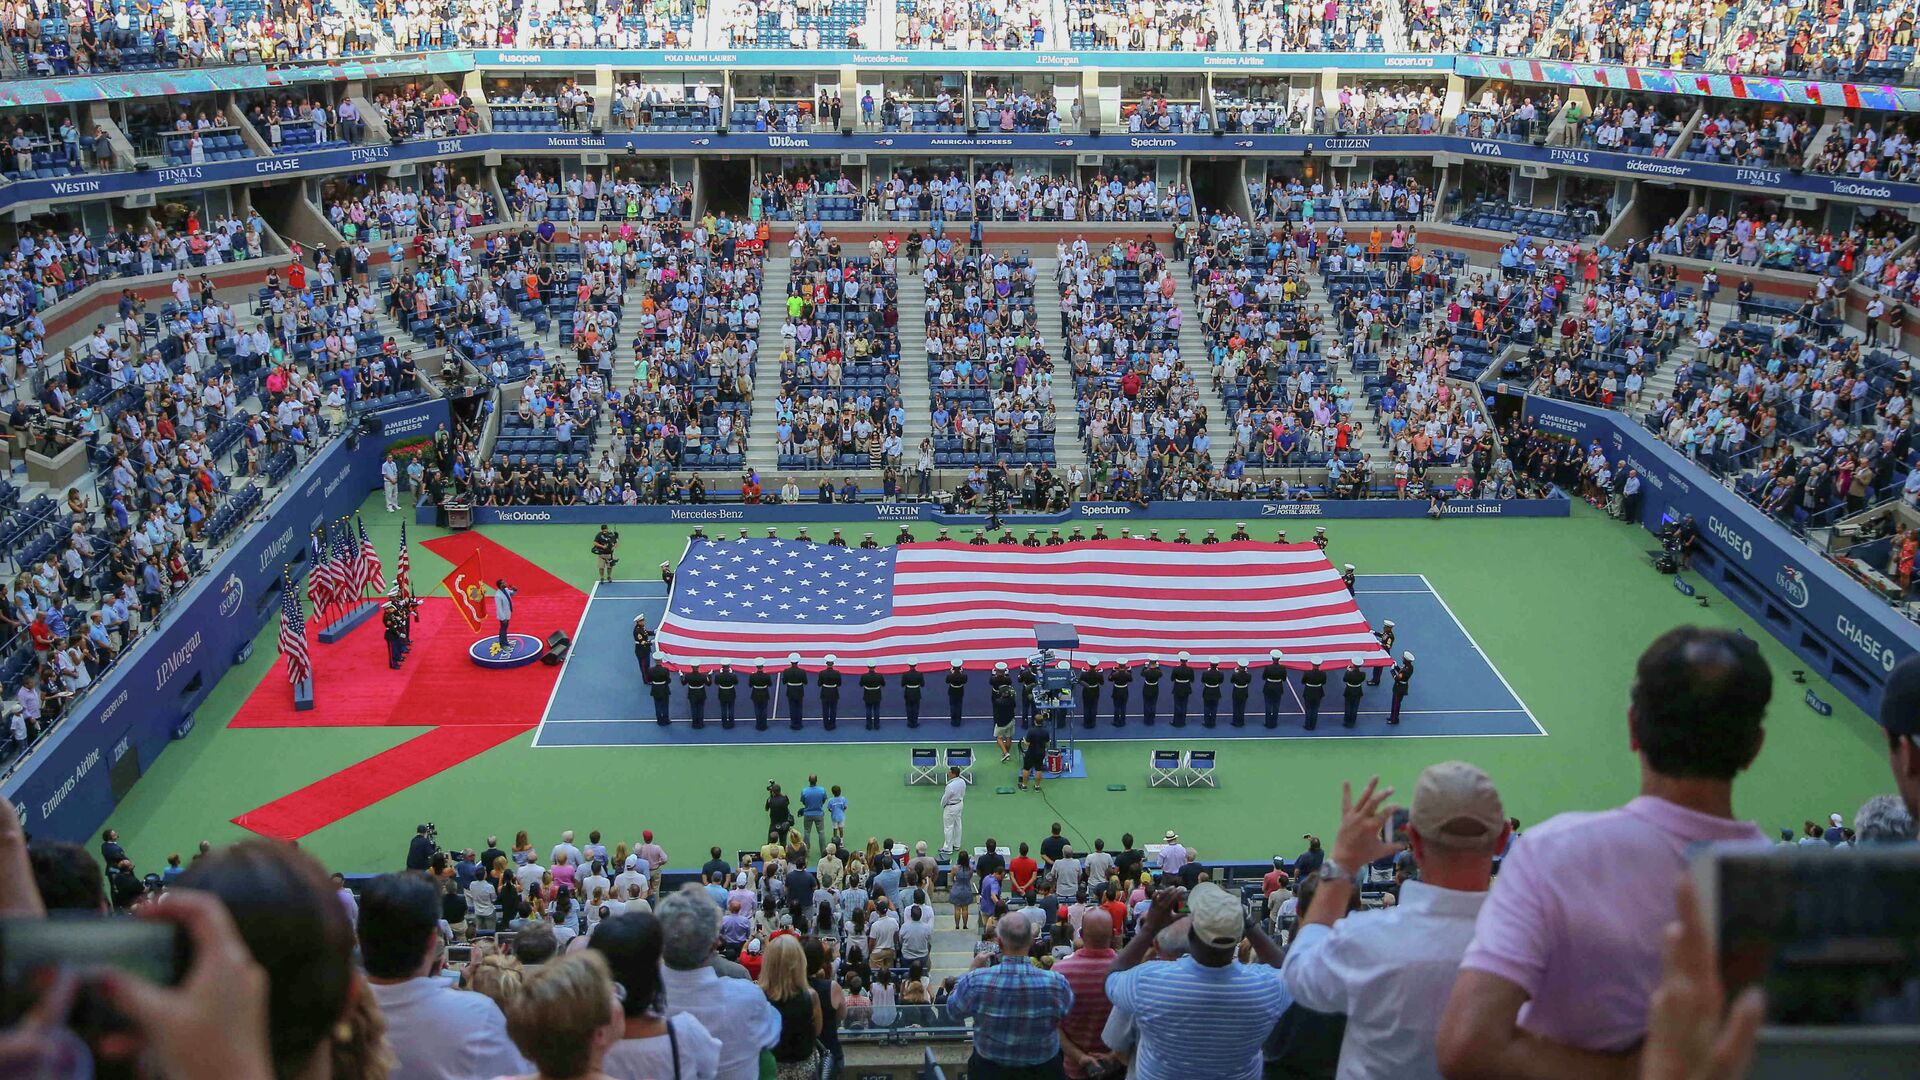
column 1483, row 656
column 1179, row 735
column 555, row 692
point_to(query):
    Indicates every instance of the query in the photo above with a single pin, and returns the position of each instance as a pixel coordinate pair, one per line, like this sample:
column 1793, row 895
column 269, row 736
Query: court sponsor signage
column 137, row 706
column 1842, row 630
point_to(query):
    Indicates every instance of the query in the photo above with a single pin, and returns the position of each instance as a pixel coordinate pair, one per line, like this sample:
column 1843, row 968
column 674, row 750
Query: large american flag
column 293, row 634
column 743, row 600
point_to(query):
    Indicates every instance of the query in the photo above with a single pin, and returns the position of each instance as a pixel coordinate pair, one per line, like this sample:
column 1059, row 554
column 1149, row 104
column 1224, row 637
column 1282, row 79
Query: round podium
column 520, row 650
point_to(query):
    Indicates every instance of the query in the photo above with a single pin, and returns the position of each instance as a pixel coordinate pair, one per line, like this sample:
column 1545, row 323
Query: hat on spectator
column 1455, row 804
column 1837, row 820
column 1218, row 919
column 1172, row 836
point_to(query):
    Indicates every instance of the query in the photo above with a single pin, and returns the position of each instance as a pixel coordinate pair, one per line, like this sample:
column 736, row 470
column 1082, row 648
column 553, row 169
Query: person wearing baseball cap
column 1582, row 966
column 1390, row 970
column 1205, row 998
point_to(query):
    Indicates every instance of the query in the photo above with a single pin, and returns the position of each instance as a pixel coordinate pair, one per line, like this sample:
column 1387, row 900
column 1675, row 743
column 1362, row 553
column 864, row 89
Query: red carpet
column 469, row 710
column 355, row 788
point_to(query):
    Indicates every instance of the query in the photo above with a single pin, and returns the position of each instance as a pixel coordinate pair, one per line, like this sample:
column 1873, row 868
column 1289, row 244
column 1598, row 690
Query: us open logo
column 232, row 591
column 1791, row 584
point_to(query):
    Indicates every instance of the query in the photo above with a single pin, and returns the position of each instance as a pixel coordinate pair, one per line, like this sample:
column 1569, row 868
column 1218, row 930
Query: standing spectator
column 1206, row 997
column 567, row 1017
column 1551, row 939
column 1900, row 716
column 732, row 1010
column 813, row 814
column 1016, row 1008
column 783, row 979
column 400, row 948
column 1390, row 971
column 1086, row 974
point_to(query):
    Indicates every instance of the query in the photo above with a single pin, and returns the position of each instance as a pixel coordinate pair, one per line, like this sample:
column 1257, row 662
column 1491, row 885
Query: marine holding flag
column 468, row 588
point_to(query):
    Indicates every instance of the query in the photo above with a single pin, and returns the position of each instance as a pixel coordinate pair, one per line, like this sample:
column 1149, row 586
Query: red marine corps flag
column 468, row 587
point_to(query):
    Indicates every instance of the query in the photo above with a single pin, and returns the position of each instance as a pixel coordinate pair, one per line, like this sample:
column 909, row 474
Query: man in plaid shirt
column 1016, row 1008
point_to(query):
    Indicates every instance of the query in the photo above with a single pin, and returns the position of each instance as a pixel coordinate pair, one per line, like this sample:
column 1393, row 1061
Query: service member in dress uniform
column 1242, row 685
column 1076, row 536
column 793, row 680
column 1402, row 675
column 699, row 533
column 760, row 691
column 868, row 542
column 1346, row 578
column 1356, row 680
column 1280, row 537
column 1007, row 537
column 1032, row 540
column 1212, row 537
column 1182, row 538
column 906, row 535
column 1273, row 687
column 1211, row 682
column 1313, row 688
column 1182, row 679
column 837, row 540
column 1150, row 677
column 1385, row 635
column 642, row 645
column 695, row 681
column 666, row 575
column 660, row 681
column 1090, row 681
column 1121, row 681
column 726, row 689
column 912, row 685
column 829, row 680
column 1320, row 537
column 743, row 534
column 1154, row 535
column 773, row 533
column 956, row 691
column 943, row 537
column 802, row 536
column 1240, row 532
column 1099, row 532
column 1054, row 539
column 979, row 538
column 872, row 684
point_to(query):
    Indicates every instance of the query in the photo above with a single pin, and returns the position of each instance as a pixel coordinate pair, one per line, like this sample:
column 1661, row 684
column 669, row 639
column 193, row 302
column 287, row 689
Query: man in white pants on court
column 390, row 481
column 952, row 799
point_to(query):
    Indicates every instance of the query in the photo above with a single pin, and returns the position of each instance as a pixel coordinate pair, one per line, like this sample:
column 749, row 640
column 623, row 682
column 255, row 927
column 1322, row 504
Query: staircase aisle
column 916, row 391
column 1198, row 358
column 1067, row 449
column 763, row 442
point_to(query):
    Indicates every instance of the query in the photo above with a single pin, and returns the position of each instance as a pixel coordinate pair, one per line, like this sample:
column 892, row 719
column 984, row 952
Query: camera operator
column 422, row 849
column 604, row 542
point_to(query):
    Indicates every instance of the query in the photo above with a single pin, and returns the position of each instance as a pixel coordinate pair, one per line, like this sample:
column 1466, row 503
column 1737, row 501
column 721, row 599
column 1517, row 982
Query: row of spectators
column 839, row 402
column 1334, row 26
column 1143, row 25
column 971, row 24
column 1677, row 34
column 1285, row 197
column 989, row 363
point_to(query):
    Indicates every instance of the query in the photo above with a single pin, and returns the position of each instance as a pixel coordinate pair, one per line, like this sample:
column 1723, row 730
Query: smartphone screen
column 1832, row 936
column 31, row 949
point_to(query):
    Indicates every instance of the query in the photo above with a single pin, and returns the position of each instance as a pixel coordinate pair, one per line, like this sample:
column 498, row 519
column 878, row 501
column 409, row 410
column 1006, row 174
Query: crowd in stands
column 1337, row 26
column 1750, row 137
column 1679, row 34
column 795, row 24
column 1003, row 194
column 839, row 402
column 1782, row 241
column 1502, row 28
column 290, row 123
column 1506, row 114
column 646, row 106
column 1868, row 42
column 415, row 112
column 1872, row 152
column 1283, row 198
column 990, row 369
column 971, row 24
column 1627, row 125
column 47, row 264
column 1381, row 949
column 1144, row 25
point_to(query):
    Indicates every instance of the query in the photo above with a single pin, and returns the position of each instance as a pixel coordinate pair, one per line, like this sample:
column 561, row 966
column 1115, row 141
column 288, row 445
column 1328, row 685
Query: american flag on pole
column 403, row 565
column 320, row 577
column 370, row 569
column 349, row 581
column 738, row 601
column 293, row 634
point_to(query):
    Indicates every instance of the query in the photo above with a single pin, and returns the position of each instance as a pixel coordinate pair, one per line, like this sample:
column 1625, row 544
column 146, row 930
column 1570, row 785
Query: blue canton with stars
column 784, row 581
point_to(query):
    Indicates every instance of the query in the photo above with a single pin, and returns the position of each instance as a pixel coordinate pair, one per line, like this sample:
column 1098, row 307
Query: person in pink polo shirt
column 1566, row 951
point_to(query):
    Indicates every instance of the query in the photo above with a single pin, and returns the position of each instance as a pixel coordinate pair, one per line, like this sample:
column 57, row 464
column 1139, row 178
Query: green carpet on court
column 1561, row 607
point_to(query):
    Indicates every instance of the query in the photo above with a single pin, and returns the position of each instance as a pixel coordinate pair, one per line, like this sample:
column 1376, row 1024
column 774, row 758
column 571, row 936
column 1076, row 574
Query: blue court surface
column 600, row 700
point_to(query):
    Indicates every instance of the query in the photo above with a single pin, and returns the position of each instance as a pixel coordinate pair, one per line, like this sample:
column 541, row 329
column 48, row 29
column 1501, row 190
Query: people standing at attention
column 793, row 680
column 813, row 814
column 1389, row 971
column 390, row 482
column 953, row 799
column 1273, row 687
column 912, row 685
column 1402, row 675
column 1150, row 675
column 1207, row 997
column 1120, row 684
column 503, row 606
column 872, row 685
column 695, row 681
column 1356, row 681
column 1015, row 1005
column 1182, row 679
column 660, row 684
column 960, row 889
column 829, row 683
column 760, row 690
column 726, row 690
column 1552, row 939
column 1385, row 636
column 1086, row 973
column 1313, row 687
column 956, row 691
